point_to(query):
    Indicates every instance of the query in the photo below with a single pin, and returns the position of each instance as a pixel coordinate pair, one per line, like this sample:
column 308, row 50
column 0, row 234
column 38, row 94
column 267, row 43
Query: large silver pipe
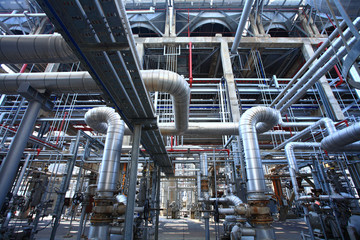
column 240, row 29
column 174, row 84
column 262, row 118
column 316, row 66
column 332, row 36
column 35, row 49
column 293, row 168
column 343, row 140
column 306, row 84
column 81, row 82
column 324, row 122
column 204, row 164
column 106, row 120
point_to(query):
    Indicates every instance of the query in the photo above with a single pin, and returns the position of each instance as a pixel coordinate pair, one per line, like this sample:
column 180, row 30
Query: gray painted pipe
column 81, row 82
column 10, row 164
column 316, row 66
column 243, row 19
column 249, row 122
column 35, row 49
column 106, row 120
column 290, row 155
column 343, row 140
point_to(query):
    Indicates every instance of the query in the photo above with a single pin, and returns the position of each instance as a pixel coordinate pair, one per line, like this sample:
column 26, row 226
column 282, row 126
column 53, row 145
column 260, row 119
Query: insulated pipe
column 106, row 120
column 244, row 17
column 344, row 139
column 233, row 200
column 314, row 68
column 324, row 122
column 81, row 82
column 174, row 84
column 332, row 36
column 290, row 155
column 262, row 118
column 306, row 84
column 35, row 49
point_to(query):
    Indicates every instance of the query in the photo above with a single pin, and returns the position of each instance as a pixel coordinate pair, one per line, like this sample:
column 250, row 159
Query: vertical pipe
column 23, row 170
column 64, row 187
column 10, row 164
column 190, row 53
column 157, row 204
column 130, row 205
column 207, row 226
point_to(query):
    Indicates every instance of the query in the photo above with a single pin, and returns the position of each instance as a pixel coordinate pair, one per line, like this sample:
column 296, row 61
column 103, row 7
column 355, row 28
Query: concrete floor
column 176, row 229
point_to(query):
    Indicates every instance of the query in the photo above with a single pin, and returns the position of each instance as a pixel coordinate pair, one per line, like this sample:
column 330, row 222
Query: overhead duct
column 324, row 122
column 35, row 49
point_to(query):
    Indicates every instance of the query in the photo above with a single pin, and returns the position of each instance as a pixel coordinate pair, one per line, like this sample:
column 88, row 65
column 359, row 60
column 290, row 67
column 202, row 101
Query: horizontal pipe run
column 324, row 122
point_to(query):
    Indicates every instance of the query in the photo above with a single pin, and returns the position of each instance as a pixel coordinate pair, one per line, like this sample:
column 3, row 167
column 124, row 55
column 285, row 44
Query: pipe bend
column 255, row 120
column 106, row 120
column 174, row 84
column 99, row 119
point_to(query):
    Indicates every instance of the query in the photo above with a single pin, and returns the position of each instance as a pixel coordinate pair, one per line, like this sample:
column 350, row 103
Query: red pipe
column 61, row 126
column 23, row 68
column 190, row 53
column 31, row 137
column 172, row 139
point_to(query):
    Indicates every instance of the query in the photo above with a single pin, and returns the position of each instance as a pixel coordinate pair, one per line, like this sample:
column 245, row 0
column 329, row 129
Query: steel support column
column 130, row 204
column 157, row 203
column 235, row 110
column 10, row 164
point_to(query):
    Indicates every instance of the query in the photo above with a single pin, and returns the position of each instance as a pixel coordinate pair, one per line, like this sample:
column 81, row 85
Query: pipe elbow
column 99, row 119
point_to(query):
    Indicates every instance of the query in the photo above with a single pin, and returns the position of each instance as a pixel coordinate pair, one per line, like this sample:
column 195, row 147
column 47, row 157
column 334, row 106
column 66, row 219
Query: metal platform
column 98, row 36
